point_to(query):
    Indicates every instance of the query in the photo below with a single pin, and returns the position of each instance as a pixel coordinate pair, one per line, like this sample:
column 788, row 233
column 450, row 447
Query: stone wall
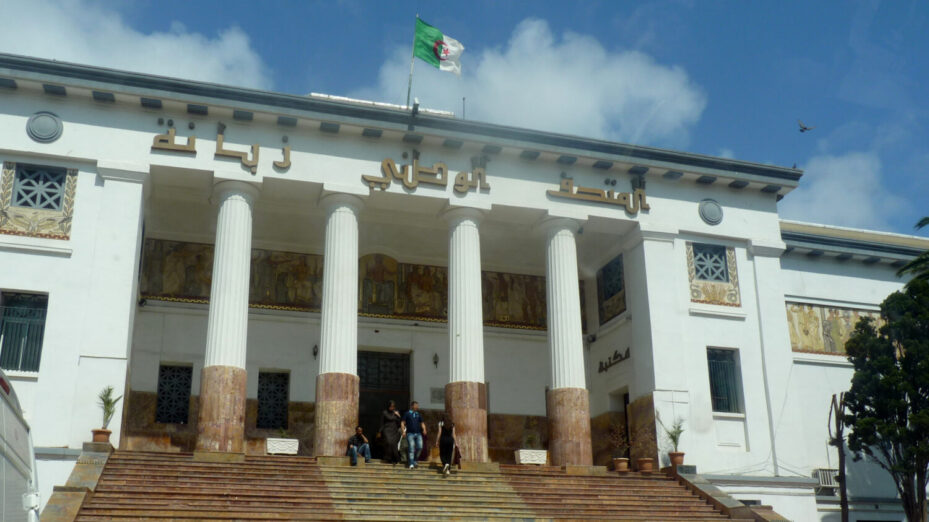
column 142, row 433
column 642, row 428
column 603, row 432
column 506, row 433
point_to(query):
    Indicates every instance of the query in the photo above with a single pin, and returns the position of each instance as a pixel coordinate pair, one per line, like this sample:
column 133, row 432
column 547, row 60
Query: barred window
column 273, row 396
column 22, row 328
column 710, row 263
column 39, row 187
column 174, row 384
column 725, row 389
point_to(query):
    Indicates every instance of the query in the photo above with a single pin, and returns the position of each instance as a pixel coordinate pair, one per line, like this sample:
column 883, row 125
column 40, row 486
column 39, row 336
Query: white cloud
column 726, row 153
column 86, row 32
column 571, row 85
column 847, row 190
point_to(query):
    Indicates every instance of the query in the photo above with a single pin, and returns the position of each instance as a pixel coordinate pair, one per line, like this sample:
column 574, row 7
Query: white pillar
column 221, row 418
column 466, row 393
column 338, row 345
column 564, row 305
column 228, row 317
column 465, row 304
column 567, row 401
column 337, row 382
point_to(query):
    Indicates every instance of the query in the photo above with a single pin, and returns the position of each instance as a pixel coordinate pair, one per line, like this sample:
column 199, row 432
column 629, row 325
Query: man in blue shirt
column 415, row 428
column 358, row 444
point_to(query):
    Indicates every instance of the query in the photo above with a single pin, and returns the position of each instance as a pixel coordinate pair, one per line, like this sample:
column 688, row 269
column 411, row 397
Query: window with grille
column 273, row 396
column 710, row 263
column 725, row 389
column 174, row 384
column 22, row 327
column 39, row 187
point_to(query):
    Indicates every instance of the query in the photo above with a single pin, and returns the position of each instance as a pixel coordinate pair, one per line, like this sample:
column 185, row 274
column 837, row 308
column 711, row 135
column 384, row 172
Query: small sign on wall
column 437, row 395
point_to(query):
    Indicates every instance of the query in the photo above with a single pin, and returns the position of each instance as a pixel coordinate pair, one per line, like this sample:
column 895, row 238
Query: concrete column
column 466, row 393
column 337, row 382
column 567, row 400
column 221, row 422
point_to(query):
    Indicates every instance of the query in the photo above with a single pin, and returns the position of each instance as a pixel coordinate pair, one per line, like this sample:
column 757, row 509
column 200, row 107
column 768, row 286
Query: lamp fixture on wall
column 435, row 359
column 315, row 351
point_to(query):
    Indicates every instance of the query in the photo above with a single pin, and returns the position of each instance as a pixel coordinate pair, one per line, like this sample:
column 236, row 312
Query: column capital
column 550, row 224
column 455, row 215
column 332, row 200
column 224, row 188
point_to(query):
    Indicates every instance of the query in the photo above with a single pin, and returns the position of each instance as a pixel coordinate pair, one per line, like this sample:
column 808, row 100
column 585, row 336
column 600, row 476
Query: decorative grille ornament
column 383, row 371
column 174, row 384
column 273, row 396
column 39, row 187
column 710, row 263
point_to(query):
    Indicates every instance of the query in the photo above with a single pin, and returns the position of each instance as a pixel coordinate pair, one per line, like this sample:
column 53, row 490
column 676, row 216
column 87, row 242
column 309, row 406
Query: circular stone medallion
column 44, row 127
column 711, row 212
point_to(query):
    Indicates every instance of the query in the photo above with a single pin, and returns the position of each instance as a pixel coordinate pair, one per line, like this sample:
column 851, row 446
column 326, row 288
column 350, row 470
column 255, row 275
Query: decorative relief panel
column 823, row 329
column 37, row 201
column 611, row 289
column 179, row 271
column 713, row 274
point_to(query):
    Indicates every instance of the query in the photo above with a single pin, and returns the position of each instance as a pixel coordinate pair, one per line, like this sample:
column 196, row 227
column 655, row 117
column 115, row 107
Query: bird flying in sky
column 804, row 128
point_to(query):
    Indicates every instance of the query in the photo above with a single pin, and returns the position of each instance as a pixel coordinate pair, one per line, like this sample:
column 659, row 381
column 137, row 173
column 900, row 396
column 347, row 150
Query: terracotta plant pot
column 645, row 464
column 101, row 435
column 676, row 458
column 620, row 464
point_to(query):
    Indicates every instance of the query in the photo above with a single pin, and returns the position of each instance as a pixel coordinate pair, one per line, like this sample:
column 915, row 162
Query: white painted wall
column 516, row 362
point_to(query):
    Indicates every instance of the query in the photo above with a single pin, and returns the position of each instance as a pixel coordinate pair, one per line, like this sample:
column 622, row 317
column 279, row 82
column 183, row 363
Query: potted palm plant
column 108, row 405
column 673, row 434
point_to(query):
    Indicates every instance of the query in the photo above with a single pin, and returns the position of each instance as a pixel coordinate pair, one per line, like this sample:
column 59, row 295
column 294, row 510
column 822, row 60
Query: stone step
column 137, row 485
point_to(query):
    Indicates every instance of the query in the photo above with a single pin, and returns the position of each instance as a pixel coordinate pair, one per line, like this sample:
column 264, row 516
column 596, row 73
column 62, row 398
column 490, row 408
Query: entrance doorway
column 383, row 376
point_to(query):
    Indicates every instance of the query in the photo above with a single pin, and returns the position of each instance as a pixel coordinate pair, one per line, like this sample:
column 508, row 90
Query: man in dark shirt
column 412, row 423
column 358, row 444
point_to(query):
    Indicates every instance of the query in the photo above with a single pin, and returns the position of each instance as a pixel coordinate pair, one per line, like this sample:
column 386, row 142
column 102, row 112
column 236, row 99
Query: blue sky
column 727, row 78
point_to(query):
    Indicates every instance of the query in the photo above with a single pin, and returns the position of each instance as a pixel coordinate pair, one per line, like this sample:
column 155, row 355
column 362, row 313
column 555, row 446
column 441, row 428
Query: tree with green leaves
column 888, row 403
column 919, row 266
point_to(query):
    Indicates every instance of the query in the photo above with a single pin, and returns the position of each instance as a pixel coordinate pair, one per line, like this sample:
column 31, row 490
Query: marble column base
column 466, row 404
column 569, row 427
column 221, row 418
column 336, row 413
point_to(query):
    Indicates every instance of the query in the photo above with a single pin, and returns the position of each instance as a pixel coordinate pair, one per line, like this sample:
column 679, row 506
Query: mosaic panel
column 823, row 329
column 37, row 201
column 708, row 283
column 180, row 271
column 611, row 289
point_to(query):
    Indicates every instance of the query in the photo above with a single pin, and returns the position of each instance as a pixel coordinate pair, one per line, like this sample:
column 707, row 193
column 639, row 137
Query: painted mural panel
column 611, row 289
column 514, row 299
column 181, row 271
column 823, row 329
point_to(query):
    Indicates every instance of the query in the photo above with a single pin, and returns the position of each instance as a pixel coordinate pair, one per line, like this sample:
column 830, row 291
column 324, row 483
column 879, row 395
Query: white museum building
column 241, row 264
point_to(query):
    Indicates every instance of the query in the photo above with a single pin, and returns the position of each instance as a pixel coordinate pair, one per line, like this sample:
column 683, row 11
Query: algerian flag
column 442, row 51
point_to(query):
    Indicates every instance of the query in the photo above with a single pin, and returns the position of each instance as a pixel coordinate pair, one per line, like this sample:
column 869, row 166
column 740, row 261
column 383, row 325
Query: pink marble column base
column 466, row 404
column 336, row 413
column 569, row 427
column 221, row 419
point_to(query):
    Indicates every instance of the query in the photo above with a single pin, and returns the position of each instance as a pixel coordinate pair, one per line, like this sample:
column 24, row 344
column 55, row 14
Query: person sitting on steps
column 358, row 444
column 415, row 429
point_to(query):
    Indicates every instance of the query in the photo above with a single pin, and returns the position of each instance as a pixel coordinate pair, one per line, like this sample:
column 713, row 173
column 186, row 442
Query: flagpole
column 409, row 85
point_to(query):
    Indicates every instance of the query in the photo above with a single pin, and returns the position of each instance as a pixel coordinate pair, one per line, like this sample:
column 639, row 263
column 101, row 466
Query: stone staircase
column 143, row 485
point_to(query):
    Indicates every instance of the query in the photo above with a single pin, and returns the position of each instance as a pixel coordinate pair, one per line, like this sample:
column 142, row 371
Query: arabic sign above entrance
column 412, row 175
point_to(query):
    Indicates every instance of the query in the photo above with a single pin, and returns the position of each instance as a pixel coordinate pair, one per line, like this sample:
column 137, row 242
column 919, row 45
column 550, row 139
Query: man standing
column 358, row 443
column 415, row 428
